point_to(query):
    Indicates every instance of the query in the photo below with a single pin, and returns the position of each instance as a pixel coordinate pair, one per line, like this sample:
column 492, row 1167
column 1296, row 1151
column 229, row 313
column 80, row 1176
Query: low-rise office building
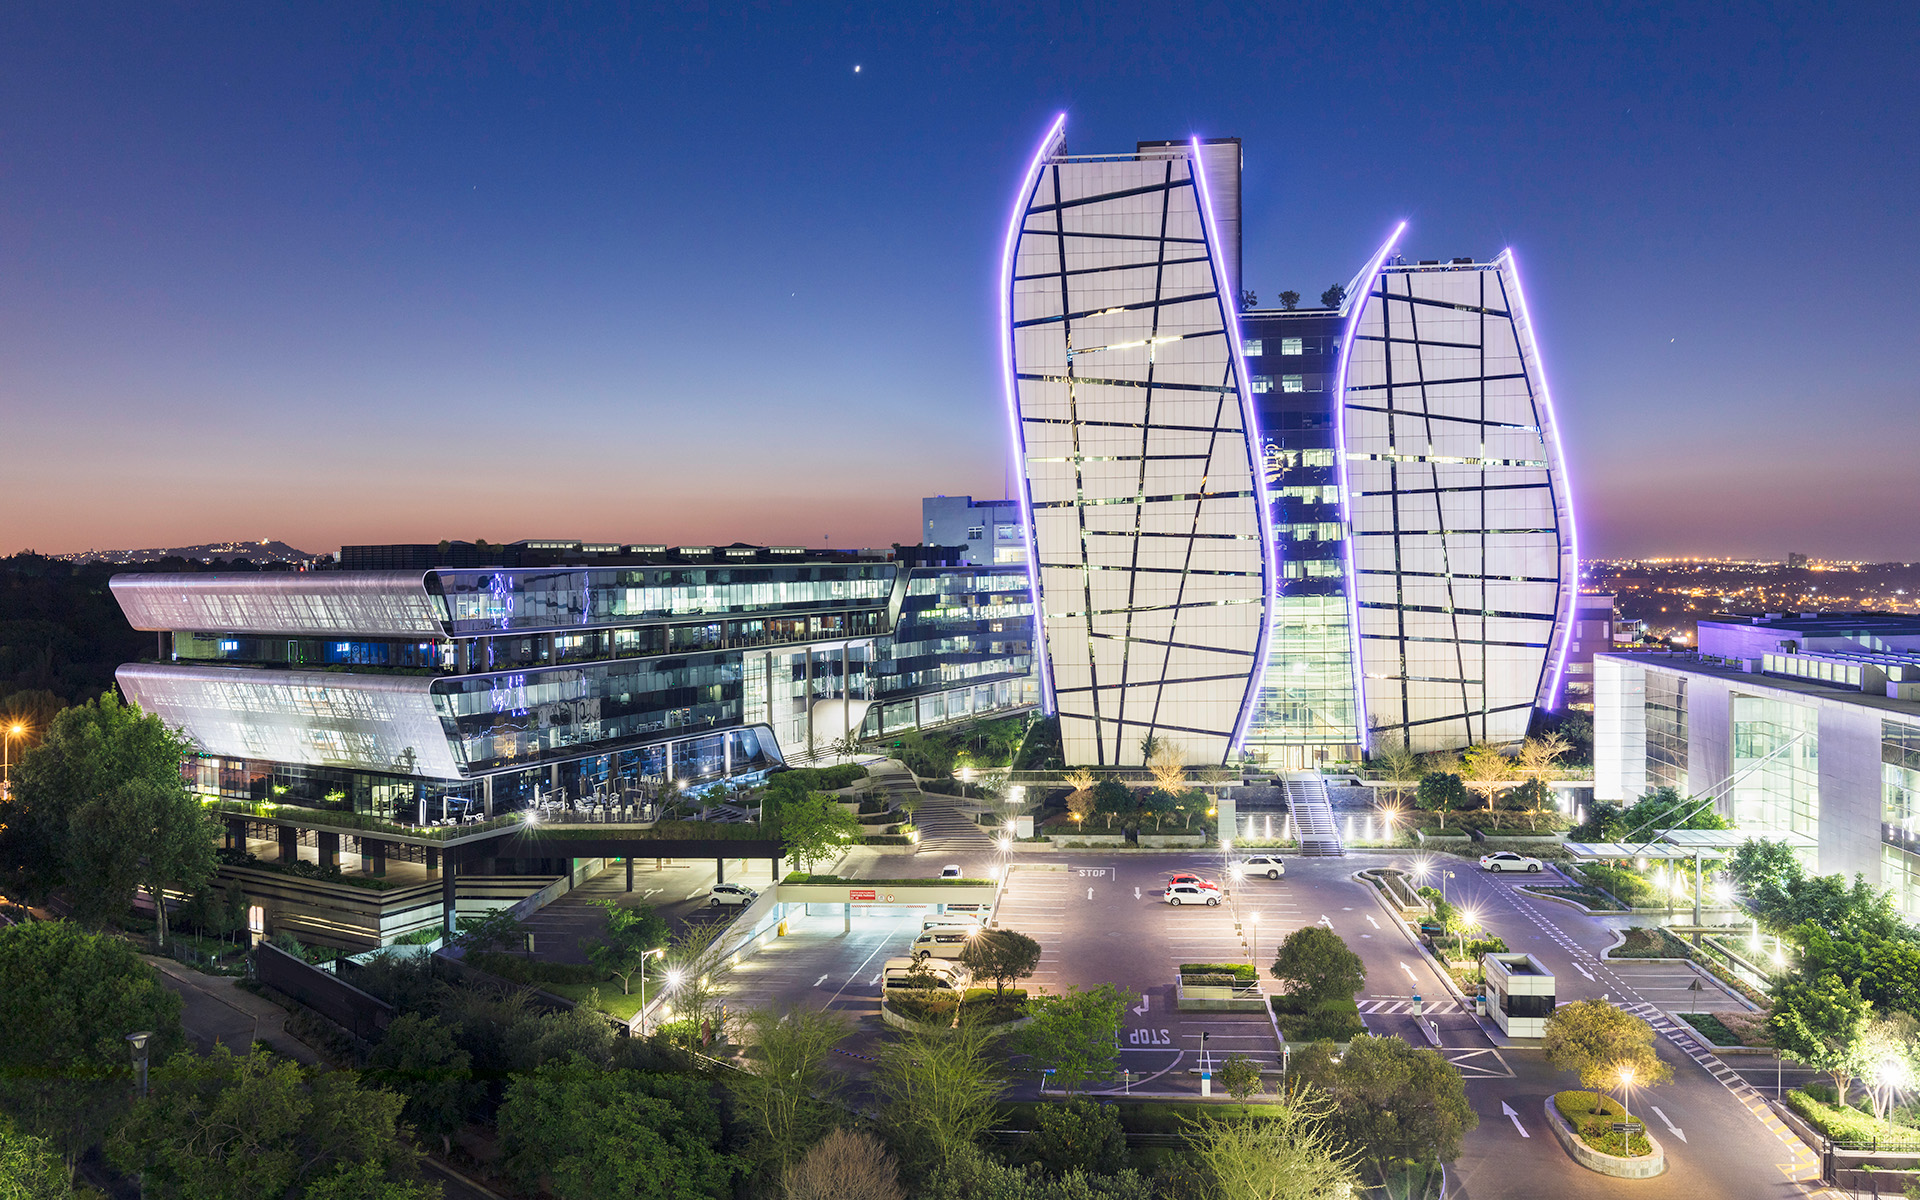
column 1796, row 725
column 429, row 699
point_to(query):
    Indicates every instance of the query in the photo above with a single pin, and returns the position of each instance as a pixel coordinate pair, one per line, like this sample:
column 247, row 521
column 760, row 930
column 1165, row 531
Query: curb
column 1645, row 1167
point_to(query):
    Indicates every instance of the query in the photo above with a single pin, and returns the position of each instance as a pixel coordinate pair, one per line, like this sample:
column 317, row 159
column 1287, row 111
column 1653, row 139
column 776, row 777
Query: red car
column 1196, row 881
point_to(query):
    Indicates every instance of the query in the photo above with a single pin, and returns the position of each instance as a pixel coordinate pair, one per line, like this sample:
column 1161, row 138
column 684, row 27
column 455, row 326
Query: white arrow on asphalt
column 1506, row 1110
column 874, row 980
column 1136, row 893
column 1665, row 1120
column 1584, row 971
column 1372, row 922
column 1409, row 971
column 1089, row 893
column 819, row 981
column 1324, row 921
column 1141, row 1010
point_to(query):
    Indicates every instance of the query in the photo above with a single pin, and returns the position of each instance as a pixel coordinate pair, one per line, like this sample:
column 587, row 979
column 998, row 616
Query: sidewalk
column 215, row 1009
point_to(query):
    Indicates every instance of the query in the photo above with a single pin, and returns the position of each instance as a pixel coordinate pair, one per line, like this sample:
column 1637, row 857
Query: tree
column 492, row 930
column 1333, row 297
column 1821, row 1022
column 1080, row 799
column 31, row 1168
column 419, row 1059
column 1077, row 1033
column 845, row 746
column 785, row 1098
column 1159, row 803
column 68, row 998
column 1240, row 1076
column 814, row 828
column 1316, row 965
column 694, row 975
column 974, row 1175
column 1394, row 1102
column 226, row 1127
column 1887, row 1059
column 1079, row 1134
column 1169, row 766
column 1485, row 767
column 366, row 1181
column 1398, row 766
column 144, row 833
column 595, row 1134
column 1002, row 955
column 631, row 937
column 1440, row 792
column 1111, row 799
column 1598, row 1042
column 941, row 1090
column 1768, row 871
column 1288, row 1153
column 1531, row 798
column 845, row 1166
column 1540, row 757
column 1289, row 300
column 1249, row 299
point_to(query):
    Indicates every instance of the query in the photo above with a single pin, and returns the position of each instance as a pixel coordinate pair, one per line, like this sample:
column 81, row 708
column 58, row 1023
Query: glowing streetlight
column 1254, row 936
column 16, row 729
column 1626, row 1104
column 1006, row 844
column 655, row 953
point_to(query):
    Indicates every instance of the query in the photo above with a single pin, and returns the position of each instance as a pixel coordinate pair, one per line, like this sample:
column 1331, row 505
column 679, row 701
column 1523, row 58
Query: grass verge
column 1596, row 1129
column 1711, row 1028
column 1850, row 1124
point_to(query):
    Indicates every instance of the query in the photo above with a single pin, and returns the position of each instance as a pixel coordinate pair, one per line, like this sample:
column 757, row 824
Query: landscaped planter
column 1644, row 1166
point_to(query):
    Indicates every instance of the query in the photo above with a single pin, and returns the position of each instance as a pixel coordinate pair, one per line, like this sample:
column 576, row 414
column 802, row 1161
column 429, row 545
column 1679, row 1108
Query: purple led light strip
column 1256, row 452
column 1021, row 200
column 1367, row 279
column 1570, row 581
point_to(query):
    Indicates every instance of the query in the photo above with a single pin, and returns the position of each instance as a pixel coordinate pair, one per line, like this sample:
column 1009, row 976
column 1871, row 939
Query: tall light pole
column 14, row 730
column 139, row 1043
column 1254, row 934
column 1626, row 1106
column 654, row 953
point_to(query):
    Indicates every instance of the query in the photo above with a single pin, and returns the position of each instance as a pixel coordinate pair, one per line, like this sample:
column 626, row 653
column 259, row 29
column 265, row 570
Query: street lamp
column 14, row 730
column 1469, row 919
column 139, row 1043
column 1254, row 919
column 1626, row 1105
column 654, row 953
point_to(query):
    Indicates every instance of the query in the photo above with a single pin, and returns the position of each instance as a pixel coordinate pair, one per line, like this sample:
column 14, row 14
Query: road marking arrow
column 1089, row 893
column 1409, row 971
column 1141, row 1010
column 873, row 981
column 1584, row 971
column 1506, row 1110
column 1136, row 893
column 1324, row 921
column 1372, row 922
column 1665, row 1120
column 819, row 981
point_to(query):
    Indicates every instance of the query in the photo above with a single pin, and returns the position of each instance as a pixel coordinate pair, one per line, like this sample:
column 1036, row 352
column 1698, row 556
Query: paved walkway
column 215, row 1009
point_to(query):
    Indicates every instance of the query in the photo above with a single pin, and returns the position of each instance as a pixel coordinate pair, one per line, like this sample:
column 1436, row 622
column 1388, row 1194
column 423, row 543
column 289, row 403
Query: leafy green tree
column 1485, row 767
column 1240, row 1076
column 1820, row 1022
column 1887, row 971
column 1077, row 1033
column 1398, row 766
column 1316, row 965
column 786, row 1098
column 814, row 828
column 496, row 929
column 845, row 1166
column 366, row 1181
column 594, row 1134
column 1078, row 1133
column 68, row 999
column 1441, row 792
column 974, row 1175
column 144, row 833
column 225, row 1127
column 1598, row 1042
column 1289, row 299
column 216, row 911
column 1394, row 1101
column 31, row 1168
column 1766, row 870
column 419, row 1058
column 1111, row 799
column 632, row 935
column 1288, row 1153
column 941, row 1090
column 90, row 750
column 1603, row 824
column 1334, row 296
column 1666, row 808
column 1001, row 955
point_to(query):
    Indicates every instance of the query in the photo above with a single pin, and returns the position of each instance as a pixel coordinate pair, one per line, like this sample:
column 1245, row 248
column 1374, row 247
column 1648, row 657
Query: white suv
column 1264, row 864
column 730, row 895
column 1187, row 893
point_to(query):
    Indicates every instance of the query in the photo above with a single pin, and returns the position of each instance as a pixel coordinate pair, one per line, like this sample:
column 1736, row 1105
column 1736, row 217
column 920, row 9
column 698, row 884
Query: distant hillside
column 260, row 552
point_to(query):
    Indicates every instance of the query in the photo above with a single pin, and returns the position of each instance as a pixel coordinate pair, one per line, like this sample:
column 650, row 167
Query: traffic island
column 1638, row 1166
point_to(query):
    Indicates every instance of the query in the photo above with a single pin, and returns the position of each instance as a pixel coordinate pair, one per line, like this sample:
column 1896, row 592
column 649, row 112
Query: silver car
column 1507, row 860
column 731, row 895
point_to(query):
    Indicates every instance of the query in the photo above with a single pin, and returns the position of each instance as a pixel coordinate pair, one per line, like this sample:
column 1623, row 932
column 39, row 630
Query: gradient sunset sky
column 360, row 273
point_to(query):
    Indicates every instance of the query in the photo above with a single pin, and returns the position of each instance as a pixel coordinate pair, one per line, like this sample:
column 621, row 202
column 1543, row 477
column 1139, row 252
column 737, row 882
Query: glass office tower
column 1282, row 534
column 1137, row 460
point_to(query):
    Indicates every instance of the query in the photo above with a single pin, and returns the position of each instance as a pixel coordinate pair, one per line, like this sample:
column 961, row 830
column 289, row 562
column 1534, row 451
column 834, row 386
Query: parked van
column 899, row 973
column 951, row 920
column 942, row 941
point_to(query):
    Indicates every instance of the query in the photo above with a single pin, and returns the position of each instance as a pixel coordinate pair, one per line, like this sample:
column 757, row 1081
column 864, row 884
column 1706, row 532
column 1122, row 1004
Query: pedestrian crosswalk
column 1427, row 1007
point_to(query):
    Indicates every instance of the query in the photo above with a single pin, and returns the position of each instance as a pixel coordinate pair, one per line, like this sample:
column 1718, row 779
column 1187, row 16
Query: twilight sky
column 351, row 273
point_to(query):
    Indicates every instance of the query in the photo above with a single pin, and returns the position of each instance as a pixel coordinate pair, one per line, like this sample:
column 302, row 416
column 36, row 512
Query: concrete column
column 846, row 918
column 329, row 849
column 373, row 856
column 846, row 689
column 486, row 796
column 236, row 835
column 719, row 871
column 433, row 860
column 629, row 874
column 807, row 697
column 289, row 844
column 449, row 918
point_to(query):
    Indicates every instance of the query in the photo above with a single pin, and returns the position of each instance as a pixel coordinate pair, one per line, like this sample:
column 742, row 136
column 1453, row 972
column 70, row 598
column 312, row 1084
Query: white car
column 1187, row 893
column 730, row 895
column 1507, row 860
column 1263, row 864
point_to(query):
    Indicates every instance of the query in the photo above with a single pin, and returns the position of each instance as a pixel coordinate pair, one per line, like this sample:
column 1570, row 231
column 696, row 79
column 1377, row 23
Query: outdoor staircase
column 1306, row 796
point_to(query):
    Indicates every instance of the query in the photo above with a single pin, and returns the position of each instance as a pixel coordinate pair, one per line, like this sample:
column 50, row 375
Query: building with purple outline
column 1409, row 511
